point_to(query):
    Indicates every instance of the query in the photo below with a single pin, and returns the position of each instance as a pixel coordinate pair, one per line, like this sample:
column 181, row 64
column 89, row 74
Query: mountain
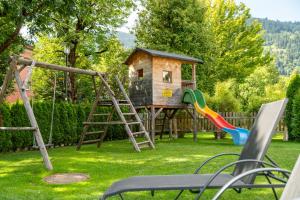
column 283, row 41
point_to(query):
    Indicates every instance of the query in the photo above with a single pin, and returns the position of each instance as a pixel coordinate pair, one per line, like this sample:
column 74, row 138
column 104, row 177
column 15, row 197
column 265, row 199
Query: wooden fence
column 183, row 123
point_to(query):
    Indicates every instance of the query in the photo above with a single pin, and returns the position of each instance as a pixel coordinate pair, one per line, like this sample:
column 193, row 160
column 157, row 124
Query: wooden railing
column 187, row 84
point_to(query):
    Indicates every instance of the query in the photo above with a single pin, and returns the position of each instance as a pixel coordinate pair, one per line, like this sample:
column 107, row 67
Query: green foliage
column 67, row 124
column 224, row 99
column 293, row 88
column 295, row 122
column 5, row 120
column 238, row 43
column 255, row 89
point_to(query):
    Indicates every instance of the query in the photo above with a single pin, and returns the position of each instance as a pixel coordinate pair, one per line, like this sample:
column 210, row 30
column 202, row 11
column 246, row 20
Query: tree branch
column 11, row 38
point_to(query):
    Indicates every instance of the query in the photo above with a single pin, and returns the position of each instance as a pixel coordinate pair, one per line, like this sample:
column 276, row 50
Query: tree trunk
column 11, row 38
column 72, row 60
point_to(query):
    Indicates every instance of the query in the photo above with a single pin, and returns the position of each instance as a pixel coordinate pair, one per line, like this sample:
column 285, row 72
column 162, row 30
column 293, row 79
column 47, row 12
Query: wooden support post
column 175, row 127
column 194, row 76
column 285, row 134
column 163, row 125
column 170, row 128
column 31, row 117
column 153, row 124
column 195, row 131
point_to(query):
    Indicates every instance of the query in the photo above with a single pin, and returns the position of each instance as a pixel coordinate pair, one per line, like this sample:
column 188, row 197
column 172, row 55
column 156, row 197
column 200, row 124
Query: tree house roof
column 164, row 55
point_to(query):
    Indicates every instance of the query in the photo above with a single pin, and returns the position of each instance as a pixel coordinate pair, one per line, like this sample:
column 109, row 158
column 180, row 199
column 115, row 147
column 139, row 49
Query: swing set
column 105, row 96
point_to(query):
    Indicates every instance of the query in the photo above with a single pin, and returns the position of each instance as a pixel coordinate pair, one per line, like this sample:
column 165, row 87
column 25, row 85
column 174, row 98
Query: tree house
column 156, row 82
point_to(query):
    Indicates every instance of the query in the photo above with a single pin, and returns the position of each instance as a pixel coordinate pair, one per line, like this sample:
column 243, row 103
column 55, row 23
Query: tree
column 51, row 50
column 293, row 88
column 17, row 13
column 238, row 41
column 83, row 25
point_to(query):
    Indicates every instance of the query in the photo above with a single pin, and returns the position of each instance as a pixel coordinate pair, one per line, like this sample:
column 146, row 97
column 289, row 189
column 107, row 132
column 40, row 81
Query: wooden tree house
column 156, row 83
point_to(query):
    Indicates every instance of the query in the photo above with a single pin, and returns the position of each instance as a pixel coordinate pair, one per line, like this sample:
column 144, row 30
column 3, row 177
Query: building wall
column 140, row 91
column 15, row 95
column 166, row 93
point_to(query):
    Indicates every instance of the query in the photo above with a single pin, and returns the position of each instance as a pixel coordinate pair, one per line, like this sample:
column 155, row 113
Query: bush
column 292, row 89
column 295, row 122
column 67, row 124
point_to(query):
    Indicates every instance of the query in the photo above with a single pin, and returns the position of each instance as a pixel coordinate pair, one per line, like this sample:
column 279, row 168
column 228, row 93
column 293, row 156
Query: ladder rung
column 143, row 143
column 91, row 141
column 103, row 123
column 132, row 123
column 124, row 104
column 101, row 114
column 128, row 113
column 46, row 145
column 17, row 128
column 138, row 133
column 120, row 101
column 93, row 132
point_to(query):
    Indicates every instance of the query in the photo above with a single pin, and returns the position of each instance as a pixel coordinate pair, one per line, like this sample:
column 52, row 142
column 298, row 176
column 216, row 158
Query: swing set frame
column 17, row 64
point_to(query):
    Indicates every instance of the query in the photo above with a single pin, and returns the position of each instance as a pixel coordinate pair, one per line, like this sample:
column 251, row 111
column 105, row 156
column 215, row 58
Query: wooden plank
column 17, row 128
column 58, row 67
column 33, row 122
column 91, row 141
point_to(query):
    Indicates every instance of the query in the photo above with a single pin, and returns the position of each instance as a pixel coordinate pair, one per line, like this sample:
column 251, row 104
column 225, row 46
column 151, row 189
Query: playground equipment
column 196, row 98
column 110, row 99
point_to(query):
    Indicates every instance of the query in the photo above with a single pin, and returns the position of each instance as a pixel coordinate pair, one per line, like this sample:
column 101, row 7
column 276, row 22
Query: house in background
column 15, row 95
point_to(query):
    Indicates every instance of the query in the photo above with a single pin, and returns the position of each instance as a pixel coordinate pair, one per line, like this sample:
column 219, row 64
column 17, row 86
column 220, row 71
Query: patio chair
column 251, row 157
column 291, row 190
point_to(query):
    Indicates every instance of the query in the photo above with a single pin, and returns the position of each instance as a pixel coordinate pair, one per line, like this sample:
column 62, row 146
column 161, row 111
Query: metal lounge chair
column 291, row 190
column 251, row 157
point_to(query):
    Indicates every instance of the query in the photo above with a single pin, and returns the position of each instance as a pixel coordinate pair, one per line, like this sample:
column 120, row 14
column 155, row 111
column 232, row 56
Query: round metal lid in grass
column 66, row 178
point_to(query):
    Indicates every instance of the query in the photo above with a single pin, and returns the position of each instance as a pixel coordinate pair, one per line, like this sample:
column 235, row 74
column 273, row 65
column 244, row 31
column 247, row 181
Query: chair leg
column 179, row 194
column 273, row 189
column 121, row 196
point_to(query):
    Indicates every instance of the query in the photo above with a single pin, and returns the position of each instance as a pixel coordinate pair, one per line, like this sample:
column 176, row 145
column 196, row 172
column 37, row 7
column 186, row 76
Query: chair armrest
column 226, row 167
column 212, row 158
column 240, row 176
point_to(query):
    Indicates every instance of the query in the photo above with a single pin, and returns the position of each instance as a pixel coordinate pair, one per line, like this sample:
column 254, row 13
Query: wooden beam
column 158, row 112
column 30, row 114
column 195, row 131
column 58, row 67
column 194, row 76
column 153, row 124
column 17, row 128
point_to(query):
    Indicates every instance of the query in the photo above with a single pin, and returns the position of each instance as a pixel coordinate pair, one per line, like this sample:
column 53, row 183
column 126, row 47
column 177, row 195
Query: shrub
column 292, row 89
column 67, row 124
column 295, row 122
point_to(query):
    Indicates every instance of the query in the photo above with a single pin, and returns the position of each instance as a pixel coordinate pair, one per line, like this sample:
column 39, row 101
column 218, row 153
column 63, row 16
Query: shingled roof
column 164, row 55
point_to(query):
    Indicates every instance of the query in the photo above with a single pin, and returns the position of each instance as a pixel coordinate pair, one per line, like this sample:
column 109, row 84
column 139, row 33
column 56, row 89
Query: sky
column 282, row 10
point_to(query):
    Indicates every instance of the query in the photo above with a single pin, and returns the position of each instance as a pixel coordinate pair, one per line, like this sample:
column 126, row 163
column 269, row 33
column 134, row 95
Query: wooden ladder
column 116, row 104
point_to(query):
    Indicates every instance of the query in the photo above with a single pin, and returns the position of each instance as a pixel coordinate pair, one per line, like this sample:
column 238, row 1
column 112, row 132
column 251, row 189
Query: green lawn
column 21, row 173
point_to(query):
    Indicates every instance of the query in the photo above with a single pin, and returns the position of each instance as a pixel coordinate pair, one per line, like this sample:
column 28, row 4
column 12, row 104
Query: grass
column 21, row 173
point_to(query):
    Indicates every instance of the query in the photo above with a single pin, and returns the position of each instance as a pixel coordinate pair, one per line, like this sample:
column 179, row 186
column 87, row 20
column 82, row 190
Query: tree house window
column 167, row 76
column 140, row 74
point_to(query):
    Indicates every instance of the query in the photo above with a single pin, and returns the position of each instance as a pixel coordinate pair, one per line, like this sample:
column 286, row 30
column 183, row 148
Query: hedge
column 295, row 123
column 67, row 124
column 293, row 88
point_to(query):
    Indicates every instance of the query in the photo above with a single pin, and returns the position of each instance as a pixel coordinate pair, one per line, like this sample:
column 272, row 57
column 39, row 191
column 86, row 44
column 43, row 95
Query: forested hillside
column 283, row 41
